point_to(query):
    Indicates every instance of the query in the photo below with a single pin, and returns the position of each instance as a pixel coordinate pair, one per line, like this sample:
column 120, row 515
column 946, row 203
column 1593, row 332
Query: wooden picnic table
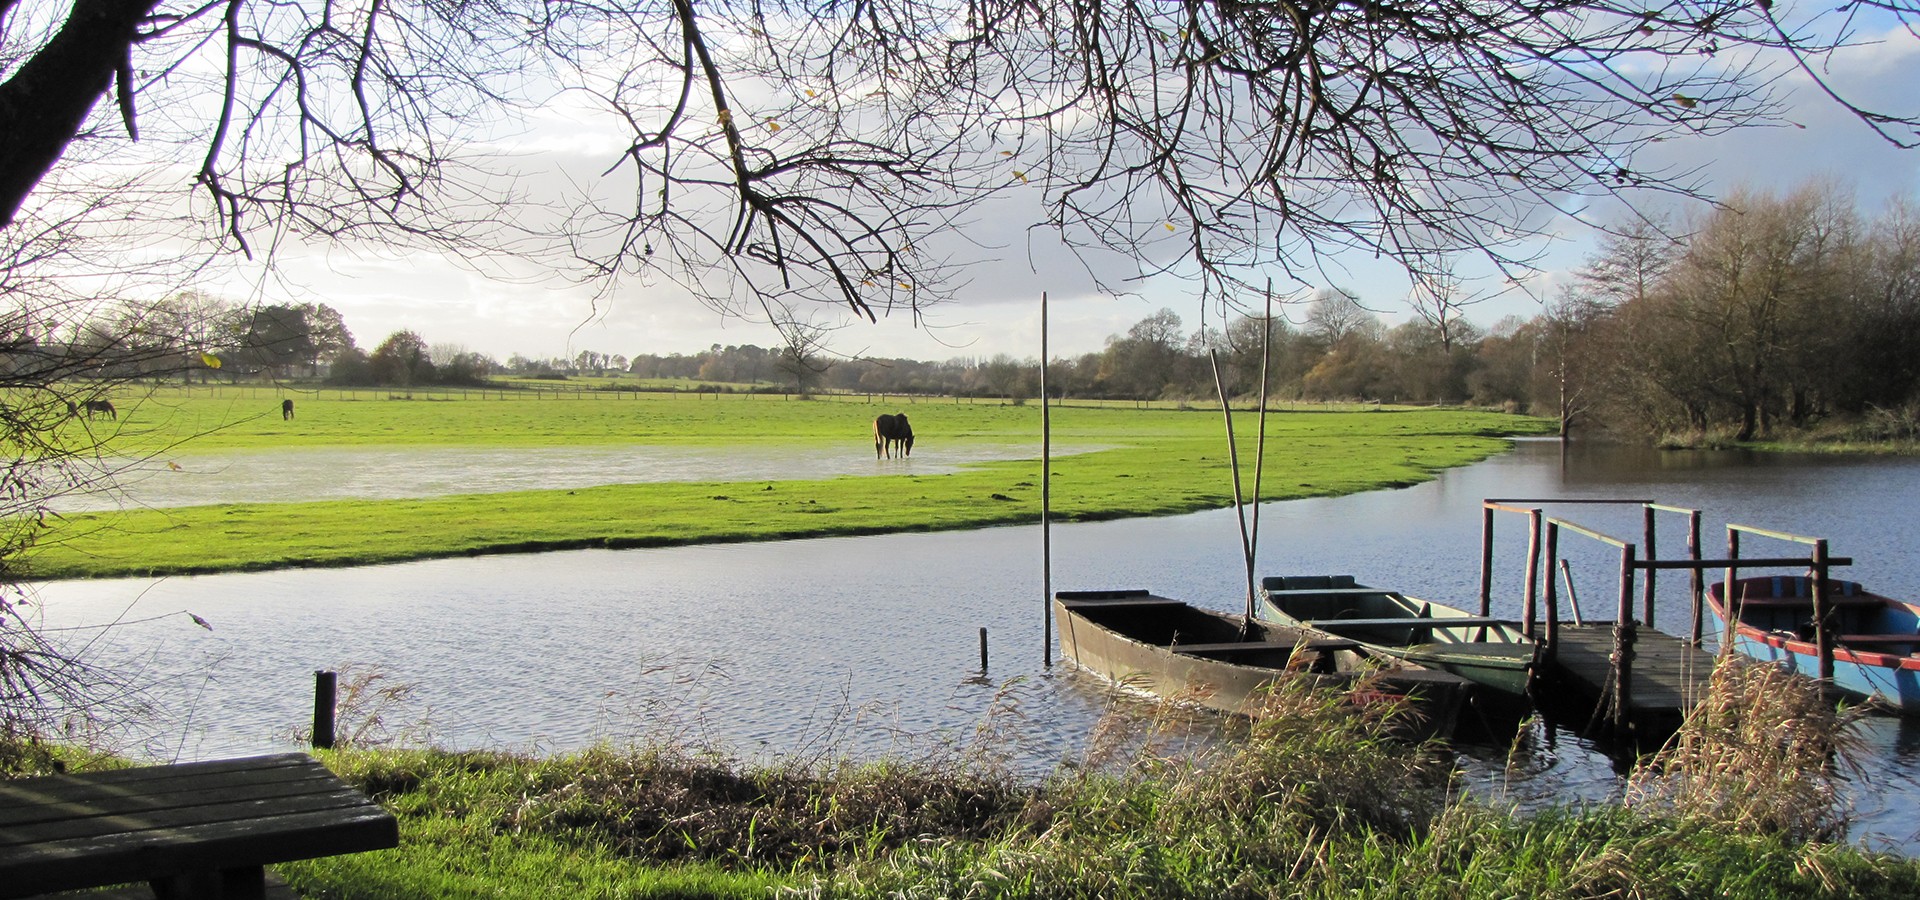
column 191, row 830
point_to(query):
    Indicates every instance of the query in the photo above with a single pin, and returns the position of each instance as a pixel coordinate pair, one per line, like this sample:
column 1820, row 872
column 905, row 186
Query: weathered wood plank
column 186, row 823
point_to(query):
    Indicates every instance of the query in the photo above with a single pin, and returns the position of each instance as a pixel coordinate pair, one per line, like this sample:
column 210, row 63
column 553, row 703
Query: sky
column 998, row 310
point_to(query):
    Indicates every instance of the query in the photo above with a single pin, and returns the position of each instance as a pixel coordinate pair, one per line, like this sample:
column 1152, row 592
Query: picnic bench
column 191, row 830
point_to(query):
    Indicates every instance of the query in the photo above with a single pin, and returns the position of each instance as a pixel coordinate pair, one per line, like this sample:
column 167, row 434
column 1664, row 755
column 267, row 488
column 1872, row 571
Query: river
column 870, row 645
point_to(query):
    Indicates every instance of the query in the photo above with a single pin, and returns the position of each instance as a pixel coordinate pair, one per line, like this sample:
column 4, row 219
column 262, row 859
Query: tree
column 280, row 337
column 402, row 360
column 1335, row 314
column 782, row 153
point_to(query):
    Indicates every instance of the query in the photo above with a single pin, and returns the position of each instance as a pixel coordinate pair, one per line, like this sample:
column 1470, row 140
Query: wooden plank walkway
column 1668, row 677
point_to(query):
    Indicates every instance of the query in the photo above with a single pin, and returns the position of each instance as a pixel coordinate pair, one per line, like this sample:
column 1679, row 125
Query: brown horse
column 890, row 432
column 96, row 407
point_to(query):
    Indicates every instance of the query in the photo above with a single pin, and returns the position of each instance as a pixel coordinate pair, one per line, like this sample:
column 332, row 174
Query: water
column 870, row 645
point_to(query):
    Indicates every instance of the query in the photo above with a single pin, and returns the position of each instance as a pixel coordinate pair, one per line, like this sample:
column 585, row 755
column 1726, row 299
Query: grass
column 1312, row 799
column 1151, row 462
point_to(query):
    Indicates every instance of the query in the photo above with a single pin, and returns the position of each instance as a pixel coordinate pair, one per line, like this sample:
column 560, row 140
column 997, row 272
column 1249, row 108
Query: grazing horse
column 286, row 409
column 890, row 432
column 95, row 407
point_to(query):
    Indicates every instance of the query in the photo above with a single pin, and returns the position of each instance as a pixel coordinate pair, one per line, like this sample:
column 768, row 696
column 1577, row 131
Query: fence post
column 1552, row 647
column 325, row 688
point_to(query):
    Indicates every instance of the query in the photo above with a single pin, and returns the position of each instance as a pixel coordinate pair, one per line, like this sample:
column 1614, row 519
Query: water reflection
column 868, row 645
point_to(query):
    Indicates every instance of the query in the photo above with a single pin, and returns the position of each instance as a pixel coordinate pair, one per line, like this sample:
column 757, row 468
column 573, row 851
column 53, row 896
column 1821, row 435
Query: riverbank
column 1160, row 462
column 1311, row 800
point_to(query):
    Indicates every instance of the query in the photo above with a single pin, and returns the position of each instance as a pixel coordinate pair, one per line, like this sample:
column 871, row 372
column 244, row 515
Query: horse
column 286, row 409
column 890, row 432
column 95, row 407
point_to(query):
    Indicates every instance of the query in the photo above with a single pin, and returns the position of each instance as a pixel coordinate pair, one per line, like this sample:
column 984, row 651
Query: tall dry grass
column 1765, row 752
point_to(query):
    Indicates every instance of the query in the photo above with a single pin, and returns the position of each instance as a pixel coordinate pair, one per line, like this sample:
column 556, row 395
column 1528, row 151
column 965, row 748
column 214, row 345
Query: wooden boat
column 1492, row 652
column 1876, row 651
column 1177, row 651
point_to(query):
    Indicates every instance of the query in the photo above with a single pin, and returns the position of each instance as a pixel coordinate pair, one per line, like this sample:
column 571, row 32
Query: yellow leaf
column 904, row 286
column 1006, row 153
column 1685, row 101
column 810, row 93
column 772, row 125
column 867, row 283
column 1020, row 175
column 1171, row 228
column 211, row 361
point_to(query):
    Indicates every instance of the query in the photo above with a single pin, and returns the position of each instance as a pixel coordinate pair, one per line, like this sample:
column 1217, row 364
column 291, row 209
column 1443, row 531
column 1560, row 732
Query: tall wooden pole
column 1233, row 462
column 1260, row 448
column 1046, row 499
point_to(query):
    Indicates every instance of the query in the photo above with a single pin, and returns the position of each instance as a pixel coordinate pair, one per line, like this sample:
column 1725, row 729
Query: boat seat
column 1311, row 646
column 1460, row 622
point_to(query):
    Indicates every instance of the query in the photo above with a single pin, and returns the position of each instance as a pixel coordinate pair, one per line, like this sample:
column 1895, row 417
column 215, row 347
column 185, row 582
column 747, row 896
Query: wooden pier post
column 1551, row 642
column 1727, row 599
column 1653, row 552
column 1486, row 559
column 983, row 651
column 1823, row 624
column 1623, row 635
column 325, row 692
column 1530, row 596
column 1697, row 578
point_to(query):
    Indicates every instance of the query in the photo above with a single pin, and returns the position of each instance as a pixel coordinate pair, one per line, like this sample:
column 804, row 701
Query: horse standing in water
column 890, row 432
column 286, row 409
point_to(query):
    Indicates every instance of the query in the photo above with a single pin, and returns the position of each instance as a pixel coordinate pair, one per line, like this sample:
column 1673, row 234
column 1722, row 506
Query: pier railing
column 1543, row 539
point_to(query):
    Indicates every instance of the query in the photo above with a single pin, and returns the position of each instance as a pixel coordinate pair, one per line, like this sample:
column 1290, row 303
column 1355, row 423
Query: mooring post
column 1727, row 599
column 325, row 690
column 983, row 651
column 1486, row 559
column 1822, row 610
column 1697, row 578
column 1623, row 634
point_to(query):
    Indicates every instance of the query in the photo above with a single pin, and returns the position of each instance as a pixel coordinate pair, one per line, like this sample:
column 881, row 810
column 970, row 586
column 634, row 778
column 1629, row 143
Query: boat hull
column 1493, row 653
column 1877, row 638
column 1175, row 651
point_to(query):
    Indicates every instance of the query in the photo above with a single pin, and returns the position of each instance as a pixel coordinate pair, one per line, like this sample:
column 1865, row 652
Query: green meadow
column 1134, row 461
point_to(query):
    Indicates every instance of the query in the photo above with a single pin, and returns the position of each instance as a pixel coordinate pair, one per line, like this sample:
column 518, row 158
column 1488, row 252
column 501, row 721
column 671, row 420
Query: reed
column 1312, row 798
column 1765, row 752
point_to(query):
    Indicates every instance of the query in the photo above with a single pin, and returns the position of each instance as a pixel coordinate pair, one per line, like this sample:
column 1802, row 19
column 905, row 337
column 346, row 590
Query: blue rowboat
column 1875, row 641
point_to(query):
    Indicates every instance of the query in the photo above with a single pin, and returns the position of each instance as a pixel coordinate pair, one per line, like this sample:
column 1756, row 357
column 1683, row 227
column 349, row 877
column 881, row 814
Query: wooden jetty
column 1635, row 682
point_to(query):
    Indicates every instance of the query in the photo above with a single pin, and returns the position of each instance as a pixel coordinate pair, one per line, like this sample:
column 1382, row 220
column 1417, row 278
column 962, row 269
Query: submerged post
column 983, row 651
column 325, row 691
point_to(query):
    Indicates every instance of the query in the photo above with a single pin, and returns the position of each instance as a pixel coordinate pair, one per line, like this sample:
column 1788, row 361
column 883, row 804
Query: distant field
column 1163, row 461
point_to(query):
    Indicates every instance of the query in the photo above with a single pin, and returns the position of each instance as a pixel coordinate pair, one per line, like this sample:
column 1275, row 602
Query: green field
column 1154, row 462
